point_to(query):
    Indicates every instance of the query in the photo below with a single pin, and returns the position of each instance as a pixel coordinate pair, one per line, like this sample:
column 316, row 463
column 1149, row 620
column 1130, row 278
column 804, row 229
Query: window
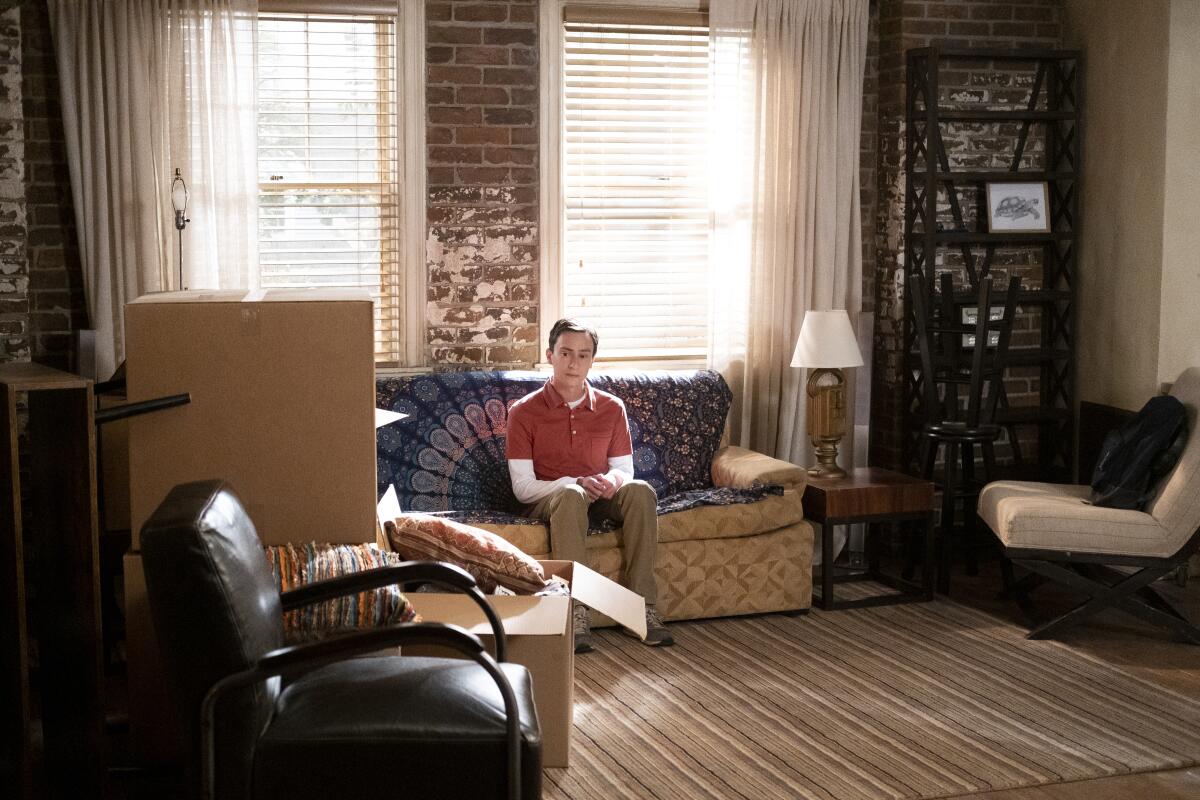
column 331, row 162
column 633, row 246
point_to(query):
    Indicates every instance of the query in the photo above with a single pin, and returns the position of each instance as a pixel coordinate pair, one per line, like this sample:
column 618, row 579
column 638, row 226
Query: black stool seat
column 950, row 429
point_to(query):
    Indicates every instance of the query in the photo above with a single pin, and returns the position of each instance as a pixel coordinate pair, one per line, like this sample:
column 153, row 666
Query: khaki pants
column 634, row 506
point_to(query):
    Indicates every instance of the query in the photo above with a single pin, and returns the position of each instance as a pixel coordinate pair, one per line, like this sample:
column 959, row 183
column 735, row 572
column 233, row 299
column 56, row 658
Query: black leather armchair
column 267, row 721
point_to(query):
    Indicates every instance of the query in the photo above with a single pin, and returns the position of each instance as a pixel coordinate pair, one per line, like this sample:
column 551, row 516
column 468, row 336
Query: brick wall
column 14, row 273
column 905, row 24
column 482, row 148
column 57, row 303
column 41, row 287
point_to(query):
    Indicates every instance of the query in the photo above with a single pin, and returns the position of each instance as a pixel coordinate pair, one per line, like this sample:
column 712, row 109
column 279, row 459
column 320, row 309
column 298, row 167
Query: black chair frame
column 1096, row 575
column 290, row 662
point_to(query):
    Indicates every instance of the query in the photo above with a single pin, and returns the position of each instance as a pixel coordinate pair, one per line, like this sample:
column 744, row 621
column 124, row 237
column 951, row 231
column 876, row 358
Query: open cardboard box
column 538, row 633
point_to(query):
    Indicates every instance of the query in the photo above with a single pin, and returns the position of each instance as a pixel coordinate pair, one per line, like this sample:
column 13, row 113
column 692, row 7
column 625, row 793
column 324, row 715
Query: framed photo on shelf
column 1018, row 207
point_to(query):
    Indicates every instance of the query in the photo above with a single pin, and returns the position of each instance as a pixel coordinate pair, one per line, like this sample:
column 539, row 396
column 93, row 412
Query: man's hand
column 610, row 487
column 597, row 486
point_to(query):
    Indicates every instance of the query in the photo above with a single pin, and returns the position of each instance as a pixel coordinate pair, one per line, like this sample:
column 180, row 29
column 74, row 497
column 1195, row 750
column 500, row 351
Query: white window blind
column 635, row 150
column 328, row 159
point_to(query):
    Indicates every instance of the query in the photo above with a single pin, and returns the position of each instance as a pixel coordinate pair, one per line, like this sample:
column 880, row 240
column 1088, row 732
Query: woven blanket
column 448, row 454
column 296, row 565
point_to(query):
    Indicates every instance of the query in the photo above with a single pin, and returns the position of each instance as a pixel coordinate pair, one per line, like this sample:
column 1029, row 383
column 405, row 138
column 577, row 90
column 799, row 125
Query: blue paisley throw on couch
column 448, row 454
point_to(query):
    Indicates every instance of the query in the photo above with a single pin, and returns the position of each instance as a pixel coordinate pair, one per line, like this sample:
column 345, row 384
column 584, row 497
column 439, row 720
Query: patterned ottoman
column 732, row 534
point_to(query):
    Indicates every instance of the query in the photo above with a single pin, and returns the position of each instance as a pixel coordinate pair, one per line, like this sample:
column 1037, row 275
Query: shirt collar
column 554, row 399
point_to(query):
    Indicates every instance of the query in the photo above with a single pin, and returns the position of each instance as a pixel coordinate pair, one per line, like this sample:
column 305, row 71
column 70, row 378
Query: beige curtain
column 787, row 80
column 149, row 86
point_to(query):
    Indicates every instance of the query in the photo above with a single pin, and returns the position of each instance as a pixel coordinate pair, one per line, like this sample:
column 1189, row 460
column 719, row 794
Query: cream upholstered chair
column 1052, row 530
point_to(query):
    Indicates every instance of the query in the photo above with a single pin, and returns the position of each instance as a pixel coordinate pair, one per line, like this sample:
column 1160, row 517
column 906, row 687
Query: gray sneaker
column 581, row 623
column 657, row 634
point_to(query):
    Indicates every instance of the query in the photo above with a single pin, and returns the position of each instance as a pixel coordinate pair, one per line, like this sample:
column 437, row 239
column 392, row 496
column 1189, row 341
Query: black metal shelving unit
column 1050, row 115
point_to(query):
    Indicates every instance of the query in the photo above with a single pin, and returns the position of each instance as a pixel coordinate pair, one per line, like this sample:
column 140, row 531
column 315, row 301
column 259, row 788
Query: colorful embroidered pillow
column 489, row 558
column 296, row 565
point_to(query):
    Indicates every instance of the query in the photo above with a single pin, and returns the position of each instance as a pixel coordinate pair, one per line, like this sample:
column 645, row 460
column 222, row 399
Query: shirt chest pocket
column 594, row 449
column 579, row 454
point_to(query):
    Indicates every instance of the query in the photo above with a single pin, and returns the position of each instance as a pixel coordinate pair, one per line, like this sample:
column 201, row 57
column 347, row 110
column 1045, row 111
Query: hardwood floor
column 1118, row 639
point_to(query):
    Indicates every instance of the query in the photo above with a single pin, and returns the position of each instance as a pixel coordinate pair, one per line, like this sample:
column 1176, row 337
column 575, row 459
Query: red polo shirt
column 563, row 441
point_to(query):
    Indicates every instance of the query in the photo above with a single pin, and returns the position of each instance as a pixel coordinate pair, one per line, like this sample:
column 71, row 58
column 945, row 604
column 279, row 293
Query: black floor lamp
column 179, row 199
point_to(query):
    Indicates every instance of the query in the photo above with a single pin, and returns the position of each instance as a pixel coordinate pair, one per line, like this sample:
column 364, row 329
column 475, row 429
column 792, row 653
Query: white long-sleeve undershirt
column 528, row 489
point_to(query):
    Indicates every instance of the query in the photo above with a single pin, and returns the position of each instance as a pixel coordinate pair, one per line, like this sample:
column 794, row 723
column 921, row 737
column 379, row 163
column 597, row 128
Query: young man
column 570, row 457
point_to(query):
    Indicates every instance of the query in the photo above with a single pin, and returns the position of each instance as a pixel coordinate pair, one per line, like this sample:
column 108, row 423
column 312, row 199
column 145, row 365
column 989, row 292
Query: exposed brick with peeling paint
column 58, row 306
column 14, row 270
column 482, row 236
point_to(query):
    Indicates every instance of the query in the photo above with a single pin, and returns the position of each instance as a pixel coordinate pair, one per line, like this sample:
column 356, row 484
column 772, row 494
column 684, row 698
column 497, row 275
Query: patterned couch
column 732, row 538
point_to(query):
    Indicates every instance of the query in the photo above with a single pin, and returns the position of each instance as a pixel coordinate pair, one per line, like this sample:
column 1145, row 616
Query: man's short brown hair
column 571, row 326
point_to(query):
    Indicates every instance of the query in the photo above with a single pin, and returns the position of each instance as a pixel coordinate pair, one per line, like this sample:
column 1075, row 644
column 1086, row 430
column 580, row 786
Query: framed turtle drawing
column 1018, row 207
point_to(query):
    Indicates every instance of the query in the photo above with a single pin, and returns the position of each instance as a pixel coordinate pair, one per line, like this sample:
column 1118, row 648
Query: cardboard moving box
column 538, row 633
column 539, row 636
column 283, row 406
column 282, row 386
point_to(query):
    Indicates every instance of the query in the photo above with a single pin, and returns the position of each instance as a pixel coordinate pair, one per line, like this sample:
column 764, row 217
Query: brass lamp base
column 827, row 466
column 826, row 420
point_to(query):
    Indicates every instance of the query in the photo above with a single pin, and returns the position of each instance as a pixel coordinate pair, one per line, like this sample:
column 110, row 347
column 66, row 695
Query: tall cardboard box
column 282, row 386
column 283, row 406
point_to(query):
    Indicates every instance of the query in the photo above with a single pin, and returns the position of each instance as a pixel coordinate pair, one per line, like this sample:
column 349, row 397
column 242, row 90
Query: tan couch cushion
column 1049, row 516
column 737, row 466
column 739, row 519
column 724, row 577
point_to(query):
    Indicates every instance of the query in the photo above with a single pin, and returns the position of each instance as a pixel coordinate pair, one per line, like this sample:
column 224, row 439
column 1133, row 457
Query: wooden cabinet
column 65, row 566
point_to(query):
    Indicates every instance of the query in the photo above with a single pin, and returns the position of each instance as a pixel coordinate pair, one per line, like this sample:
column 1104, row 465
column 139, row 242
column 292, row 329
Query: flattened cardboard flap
column 600, row 594
column 385, row 417
column 386, row 510
column 388, row 507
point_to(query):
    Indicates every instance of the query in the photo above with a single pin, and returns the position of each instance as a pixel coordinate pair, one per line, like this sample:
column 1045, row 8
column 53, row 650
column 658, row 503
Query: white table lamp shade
column 827, row 341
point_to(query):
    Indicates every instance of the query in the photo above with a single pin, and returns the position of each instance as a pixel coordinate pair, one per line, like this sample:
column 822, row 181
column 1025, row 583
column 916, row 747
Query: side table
column 869, row 495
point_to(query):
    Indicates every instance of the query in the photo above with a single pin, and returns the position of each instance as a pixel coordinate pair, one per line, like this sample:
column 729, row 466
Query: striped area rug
column 910, row 701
